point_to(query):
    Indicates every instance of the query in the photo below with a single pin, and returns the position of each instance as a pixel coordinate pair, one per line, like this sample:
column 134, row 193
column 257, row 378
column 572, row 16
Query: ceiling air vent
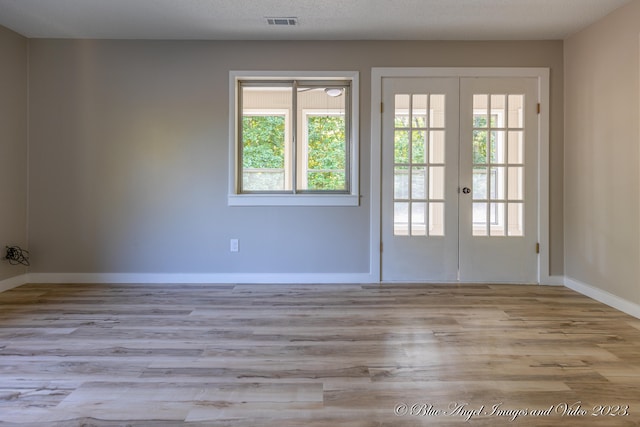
column 283, row 21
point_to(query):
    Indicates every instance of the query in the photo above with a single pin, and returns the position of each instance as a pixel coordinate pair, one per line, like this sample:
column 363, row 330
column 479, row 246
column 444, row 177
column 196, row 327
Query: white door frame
column 542, row 74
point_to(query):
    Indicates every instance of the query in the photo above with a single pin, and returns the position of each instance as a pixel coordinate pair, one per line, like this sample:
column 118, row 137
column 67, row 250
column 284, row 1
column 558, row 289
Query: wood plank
column 312, row 355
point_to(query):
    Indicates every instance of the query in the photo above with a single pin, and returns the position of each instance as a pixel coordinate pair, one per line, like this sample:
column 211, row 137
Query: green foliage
column 480, row 152
column 418, row 154
column 326, row 180
column 418, row 147
column 401, row 147
column 326, row 153
column 263, row 146
column 263, row 142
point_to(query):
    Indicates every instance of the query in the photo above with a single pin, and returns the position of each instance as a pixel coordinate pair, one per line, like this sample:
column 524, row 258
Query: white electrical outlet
column 234, row 245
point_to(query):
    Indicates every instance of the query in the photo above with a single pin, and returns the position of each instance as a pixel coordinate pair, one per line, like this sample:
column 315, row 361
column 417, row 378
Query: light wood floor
column 324, row 355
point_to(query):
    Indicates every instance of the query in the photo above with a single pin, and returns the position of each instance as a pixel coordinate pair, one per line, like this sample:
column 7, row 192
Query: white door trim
column 542, row 74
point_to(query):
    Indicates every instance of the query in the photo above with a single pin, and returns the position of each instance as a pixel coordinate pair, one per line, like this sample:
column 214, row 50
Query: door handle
column 466, row 190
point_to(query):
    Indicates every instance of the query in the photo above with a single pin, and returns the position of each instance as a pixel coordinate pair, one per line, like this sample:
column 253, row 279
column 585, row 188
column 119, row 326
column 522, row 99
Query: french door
column 459, row 179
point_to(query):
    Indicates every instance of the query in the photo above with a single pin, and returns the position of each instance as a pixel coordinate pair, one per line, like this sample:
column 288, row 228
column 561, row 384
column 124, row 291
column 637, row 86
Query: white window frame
column 235, row 198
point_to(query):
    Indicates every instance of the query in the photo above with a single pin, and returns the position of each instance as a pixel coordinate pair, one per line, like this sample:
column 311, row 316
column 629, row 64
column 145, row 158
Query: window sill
column 293, row 200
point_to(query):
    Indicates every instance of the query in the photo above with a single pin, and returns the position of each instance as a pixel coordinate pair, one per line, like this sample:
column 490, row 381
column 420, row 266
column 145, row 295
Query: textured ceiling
column 318, row 19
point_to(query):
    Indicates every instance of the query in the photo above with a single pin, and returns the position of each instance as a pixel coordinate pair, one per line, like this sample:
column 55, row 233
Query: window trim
column 235, row 198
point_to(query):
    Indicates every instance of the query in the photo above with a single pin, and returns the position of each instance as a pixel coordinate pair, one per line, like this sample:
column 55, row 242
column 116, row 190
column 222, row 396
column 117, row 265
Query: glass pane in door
column 419, row 180
column 498, row 164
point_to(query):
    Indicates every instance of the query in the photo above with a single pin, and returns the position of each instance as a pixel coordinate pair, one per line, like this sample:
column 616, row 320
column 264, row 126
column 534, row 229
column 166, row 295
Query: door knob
column 466, row 190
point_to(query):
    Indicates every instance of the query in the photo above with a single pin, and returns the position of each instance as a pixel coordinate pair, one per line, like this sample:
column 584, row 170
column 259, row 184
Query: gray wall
column 602, row 155
column 129, row 148
column 13, row 146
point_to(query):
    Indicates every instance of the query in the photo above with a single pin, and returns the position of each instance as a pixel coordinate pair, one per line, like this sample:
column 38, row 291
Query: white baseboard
column 234, row 278
column 604, row 297
column 13, row 282
column 553, row 281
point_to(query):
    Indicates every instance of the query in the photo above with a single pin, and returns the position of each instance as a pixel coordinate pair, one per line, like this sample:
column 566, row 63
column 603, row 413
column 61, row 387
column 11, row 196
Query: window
column 498, row 165
column 294, row 139
column 419, row 164
column 264, row 155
